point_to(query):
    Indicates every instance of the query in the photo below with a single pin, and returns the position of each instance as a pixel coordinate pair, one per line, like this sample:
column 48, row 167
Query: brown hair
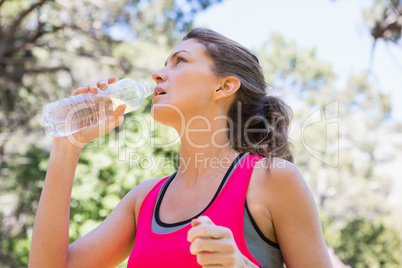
column 252, row 107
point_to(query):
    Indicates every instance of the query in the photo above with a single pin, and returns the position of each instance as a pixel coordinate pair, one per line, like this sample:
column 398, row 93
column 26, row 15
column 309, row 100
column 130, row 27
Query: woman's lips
column 159, row 91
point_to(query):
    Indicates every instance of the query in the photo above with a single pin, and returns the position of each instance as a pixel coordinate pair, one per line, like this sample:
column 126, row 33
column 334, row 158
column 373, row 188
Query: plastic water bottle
column 69, row 115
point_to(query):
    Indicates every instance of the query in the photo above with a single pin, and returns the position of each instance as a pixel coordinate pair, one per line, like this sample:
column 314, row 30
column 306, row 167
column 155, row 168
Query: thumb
column 119, row 114
column 195, row 222
column 120, row 110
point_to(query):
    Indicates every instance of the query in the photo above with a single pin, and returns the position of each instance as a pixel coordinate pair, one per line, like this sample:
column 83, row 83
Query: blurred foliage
column 25, row 173
column 48, row 47
column 343, row 141
column 340, row 135
column 384, row 19
column 363, row 243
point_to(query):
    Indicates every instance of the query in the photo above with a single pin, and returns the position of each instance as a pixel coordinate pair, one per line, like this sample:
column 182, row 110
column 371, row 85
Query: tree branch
column 38, row 32
column 10, row 34
column 372, row 55
column 15, row 61
column 32, row 38
column 33, row 71
column 393, row 8
column 89, row 35
column 22, row 15
column 1, row 2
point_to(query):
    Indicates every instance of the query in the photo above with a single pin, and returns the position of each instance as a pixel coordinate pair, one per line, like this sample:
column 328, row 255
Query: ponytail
column 279, row 115
column 261, row 127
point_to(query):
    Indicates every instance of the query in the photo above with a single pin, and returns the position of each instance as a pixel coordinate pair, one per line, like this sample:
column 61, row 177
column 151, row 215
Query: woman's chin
column 167, row 114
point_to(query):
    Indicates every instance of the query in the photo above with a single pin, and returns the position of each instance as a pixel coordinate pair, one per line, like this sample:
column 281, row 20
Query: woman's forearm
column 50, row 237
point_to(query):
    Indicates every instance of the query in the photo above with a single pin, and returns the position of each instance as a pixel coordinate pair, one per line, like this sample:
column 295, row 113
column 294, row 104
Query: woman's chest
column 178, row 205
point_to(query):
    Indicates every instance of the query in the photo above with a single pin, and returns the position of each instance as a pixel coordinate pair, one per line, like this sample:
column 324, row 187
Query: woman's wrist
column 65, row 147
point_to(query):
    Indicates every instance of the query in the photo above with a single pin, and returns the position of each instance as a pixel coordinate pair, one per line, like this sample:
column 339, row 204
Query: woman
column 236, row 199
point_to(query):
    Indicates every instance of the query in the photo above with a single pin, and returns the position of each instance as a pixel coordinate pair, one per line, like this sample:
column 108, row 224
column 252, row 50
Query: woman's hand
column 214, row 245
column 92, row 132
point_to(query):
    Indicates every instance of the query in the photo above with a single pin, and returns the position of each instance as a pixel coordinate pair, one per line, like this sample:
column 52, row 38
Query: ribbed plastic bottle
column 69, row 115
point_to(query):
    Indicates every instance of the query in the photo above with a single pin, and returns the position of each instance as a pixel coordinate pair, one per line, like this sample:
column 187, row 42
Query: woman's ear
column 228, row 87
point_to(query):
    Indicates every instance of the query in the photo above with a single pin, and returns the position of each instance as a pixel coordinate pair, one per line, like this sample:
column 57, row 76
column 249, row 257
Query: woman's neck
column 205, row 150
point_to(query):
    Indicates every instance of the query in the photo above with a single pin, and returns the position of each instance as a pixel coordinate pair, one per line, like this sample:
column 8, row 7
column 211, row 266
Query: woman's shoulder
column 140, row 192
column 146, row 186
column 277, row 170
column 278, row 180
column 135, row 197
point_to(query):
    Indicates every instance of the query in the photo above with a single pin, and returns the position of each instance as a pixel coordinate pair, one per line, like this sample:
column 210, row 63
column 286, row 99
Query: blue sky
column 335, row 28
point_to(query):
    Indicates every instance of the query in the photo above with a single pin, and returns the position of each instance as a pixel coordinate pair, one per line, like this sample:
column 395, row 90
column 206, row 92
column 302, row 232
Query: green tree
column 363, row 243
column 48, row 47
column 19, row 198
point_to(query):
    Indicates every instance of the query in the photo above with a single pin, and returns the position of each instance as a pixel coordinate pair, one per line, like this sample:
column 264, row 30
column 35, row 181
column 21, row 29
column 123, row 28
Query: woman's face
column 186, row 84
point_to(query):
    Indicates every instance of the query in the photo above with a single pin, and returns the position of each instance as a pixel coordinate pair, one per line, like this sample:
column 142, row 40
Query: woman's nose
column 159, row 76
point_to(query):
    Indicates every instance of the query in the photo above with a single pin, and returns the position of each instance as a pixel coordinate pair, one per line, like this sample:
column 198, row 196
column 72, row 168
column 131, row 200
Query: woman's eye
column 180, row 59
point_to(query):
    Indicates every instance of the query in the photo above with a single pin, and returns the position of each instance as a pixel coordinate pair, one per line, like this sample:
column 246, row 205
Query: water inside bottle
column 69, row 115
column 88, row 109
column 73, row 114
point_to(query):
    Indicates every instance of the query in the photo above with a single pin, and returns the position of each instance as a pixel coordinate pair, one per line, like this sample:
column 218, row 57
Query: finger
column 202, row 245
column 93, row 88
column 112, row 80
column 102, row 84
column 80, row 90
column 201, row 219
column 208, row 230
column 120, row 110
column 216, row 259
column 119, row 115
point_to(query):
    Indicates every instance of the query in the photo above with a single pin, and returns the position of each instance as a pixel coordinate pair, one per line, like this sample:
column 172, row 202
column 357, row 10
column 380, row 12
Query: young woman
column 235, row 201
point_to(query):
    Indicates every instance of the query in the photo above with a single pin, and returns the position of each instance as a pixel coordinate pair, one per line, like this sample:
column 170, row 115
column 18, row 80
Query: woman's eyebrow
column 175, row 54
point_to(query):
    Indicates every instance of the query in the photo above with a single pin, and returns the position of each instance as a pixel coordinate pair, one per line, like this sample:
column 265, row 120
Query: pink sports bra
column 153, row 249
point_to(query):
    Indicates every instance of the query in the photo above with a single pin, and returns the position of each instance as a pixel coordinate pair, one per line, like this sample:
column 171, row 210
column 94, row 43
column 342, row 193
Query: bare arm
column 112, row 241
column 106, row 246
column 295, row 217
column 50, row 234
